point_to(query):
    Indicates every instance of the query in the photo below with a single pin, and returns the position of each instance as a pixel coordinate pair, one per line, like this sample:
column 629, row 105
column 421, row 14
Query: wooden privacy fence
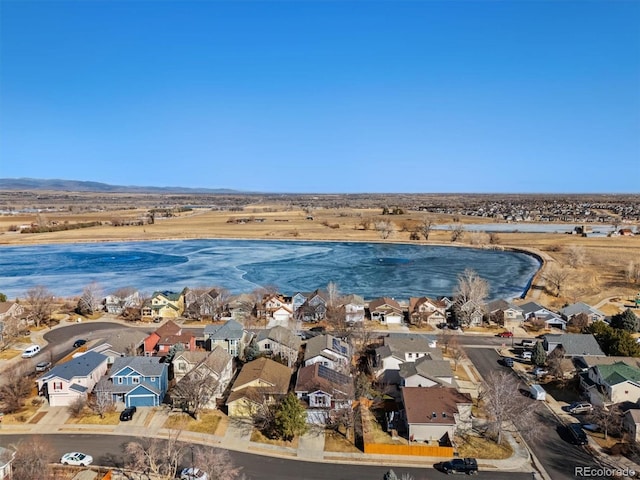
column 414, row 450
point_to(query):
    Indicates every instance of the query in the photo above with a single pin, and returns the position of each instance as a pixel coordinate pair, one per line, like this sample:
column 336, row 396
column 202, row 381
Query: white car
column 76, row 458
column 193, row 473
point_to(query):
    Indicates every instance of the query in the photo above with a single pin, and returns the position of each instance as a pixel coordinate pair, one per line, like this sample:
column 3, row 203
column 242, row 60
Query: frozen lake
column 367, row 269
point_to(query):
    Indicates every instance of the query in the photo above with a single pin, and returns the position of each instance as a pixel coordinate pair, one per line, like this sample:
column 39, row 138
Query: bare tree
column 479, row 239
column 609, row 419
column 160, row 457
column 40, row 301
column 444, row 338
column 505, row 408
column 554, row 362
column 91, row 299
column 385, row 228
column 102, row 401
column 342, row 420
column 33, row 459
column 76, row 407
column 457, row 352
column 216, row 462
column 196, row 389
column 14, row 391
column 632, row 272
column 457, row 232
column 576, row 256
column 9, row 330
column 556, row 276
column 470, row 295
column 425, row 226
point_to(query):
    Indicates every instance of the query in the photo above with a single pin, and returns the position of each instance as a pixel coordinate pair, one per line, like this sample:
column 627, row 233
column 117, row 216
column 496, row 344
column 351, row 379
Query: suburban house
column 593, row 314
column 423, row 310
column 630, row 423
column 435, row 415
column 6, row 458
column 275, row 307
column 535, row 311
column 505, row 313
column 230, row 335
column 426, row 372
column 573, row 344
column 200, row 304
column 323, row 390
column 216, row 365
column 471, row 313
column 398, row 349
column 386, row 311
column 139, row 381
column 164, row 304
column 329, row 351
column 611, row 384
column 120, row 344
column 279, row 341
column 314, row 307
column 117, row 305
column 74, row 379
column 11, row 310
column 241, row 307
column 262, row 380
column 353, row 306
column 166, row 336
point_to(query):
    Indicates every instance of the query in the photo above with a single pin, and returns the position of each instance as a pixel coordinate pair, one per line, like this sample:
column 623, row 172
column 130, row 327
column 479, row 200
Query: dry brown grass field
column 600, row 276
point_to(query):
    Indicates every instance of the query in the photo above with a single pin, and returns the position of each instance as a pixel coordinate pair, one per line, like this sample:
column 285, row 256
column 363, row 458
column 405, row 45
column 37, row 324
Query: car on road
column 580, row 407
column 578, row 437
column 528, row 343
column 505, row 334
column 539, row 371
column 459, row 465
column 507, row 361
column 76, row 458
column 193, row 473
column 78, row 343
column 127, row 414
column 43, row 366
column 525, row 355
column 31, row 351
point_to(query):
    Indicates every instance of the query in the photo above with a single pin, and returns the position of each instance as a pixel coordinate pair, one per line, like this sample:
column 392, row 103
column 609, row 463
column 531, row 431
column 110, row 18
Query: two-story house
column 427, row 372
column 72, row 380
column 505, row 313
column 275, row 308
column 230, row 335
column 398, row 349
column 164, row 304
column 607, row 384
column 323, row 390
column 6, row 459
column 122, row 343
column 354, row 308
column 205, row 303
column 260, row 381
column 386, row 310
column 535, row 311
column 117, row 304
column 314, row 307
column 425, row 311
column 329, row 351
column 139, row 381
column 169, row 334
column 279, row 341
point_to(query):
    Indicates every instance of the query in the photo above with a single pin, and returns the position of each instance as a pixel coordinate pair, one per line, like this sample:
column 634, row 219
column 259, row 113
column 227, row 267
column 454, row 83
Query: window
column 119, row 380
column 153, row 379
column 410, row 355
column 182, row 367
column 57, row 386
column 267, row 346
column 135, row 380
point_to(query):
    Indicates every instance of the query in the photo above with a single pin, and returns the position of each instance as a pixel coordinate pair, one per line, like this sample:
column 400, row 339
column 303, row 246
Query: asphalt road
column 107, row 450
column 558, row 456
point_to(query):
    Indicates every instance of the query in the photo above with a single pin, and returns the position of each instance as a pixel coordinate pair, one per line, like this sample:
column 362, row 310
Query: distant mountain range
column 82, row 186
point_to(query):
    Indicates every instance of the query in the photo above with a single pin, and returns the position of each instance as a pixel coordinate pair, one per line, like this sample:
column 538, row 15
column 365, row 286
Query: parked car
column 76, row 458
column 460, row 465
column 578, row 437
column 505, row 334
column 193, row 473
column 43, row 366
column 580, row 407
column 539, row 371
column 507, row 361
column 78, row 343
column 528, row 343
column 525, row 355
column 591, row 427
column 127, row 414
column 31, row 351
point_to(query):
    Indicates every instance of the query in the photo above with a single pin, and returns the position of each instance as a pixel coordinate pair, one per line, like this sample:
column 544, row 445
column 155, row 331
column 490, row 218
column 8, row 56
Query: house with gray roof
column 573, row 344
column 593, row 314
column 611, row 384
column 6, row 458
column 426, row 372
column 631, row 423
column 139, row 381
column 329, row 351
column 504, row 312
column 67, row 382
column 535, row 311
column 279, row 341
column 120, row 344
column 398, row 349
column 230, row 335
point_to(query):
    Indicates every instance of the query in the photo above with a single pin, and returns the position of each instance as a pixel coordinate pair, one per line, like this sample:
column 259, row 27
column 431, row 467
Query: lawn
column 335, row 442
column 9, row 354
column 479, row 447
column 208, row 422
column 257, row 436
column 21, row 416
column 90, row 418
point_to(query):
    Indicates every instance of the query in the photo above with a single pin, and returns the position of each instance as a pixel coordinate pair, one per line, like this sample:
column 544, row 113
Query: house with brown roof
column 386, row 310
column 434, row 415
column 423, row 310
column 166, row 336
column 275, row 308
column 11, row 309
column 261, row 381
column 323, row 390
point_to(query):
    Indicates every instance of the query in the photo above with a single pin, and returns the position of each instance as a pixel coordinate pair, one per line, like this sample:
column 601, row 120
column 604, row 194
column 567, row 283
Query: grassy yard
column 479, row 447
column 90, row 418
column 209, row 421
column 21, row 416
column 335, row 442
column 257, row 436
column 9, row 354
column 373, row 432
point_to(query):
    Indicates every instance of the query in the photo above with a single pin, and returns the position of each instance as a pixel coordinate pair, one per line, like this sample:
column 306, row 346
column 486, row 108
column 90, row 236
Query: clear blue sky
column 331, row 96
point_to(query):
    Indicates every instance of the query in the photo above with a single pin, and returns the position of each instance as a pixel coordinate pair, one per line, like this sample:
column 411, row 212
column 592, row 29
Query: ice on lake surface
column 367, row 269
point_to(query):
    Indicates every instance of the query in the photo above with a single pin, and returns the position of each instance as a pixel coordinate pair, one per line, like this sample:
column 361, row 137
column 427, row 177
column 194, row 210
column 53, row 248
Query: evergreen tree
column 290, row 418
column 3, row 297
column 538, row 356
column 390, row 475
column 626, row 320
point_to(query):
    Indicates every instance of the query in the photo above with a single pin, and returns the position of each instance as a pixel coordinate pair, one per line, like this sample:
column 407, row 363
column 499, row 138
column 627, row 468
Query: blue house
column 139, row 381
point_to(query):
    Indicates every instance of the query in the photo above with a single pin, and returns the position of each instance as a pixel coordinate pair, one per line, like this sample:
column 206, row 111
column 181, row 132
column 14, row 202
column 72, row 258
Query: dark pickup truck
column 460, row 465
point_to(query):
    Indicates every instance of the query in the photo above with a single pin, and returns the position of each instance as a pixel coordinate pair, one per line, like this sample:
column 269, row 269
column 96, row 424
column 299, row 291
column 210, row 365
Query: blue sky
column 332, row 96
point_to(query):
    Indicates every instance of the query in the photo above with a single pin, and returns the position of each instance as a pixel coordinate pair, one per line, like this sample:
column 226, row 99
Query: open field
column 600, row 276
